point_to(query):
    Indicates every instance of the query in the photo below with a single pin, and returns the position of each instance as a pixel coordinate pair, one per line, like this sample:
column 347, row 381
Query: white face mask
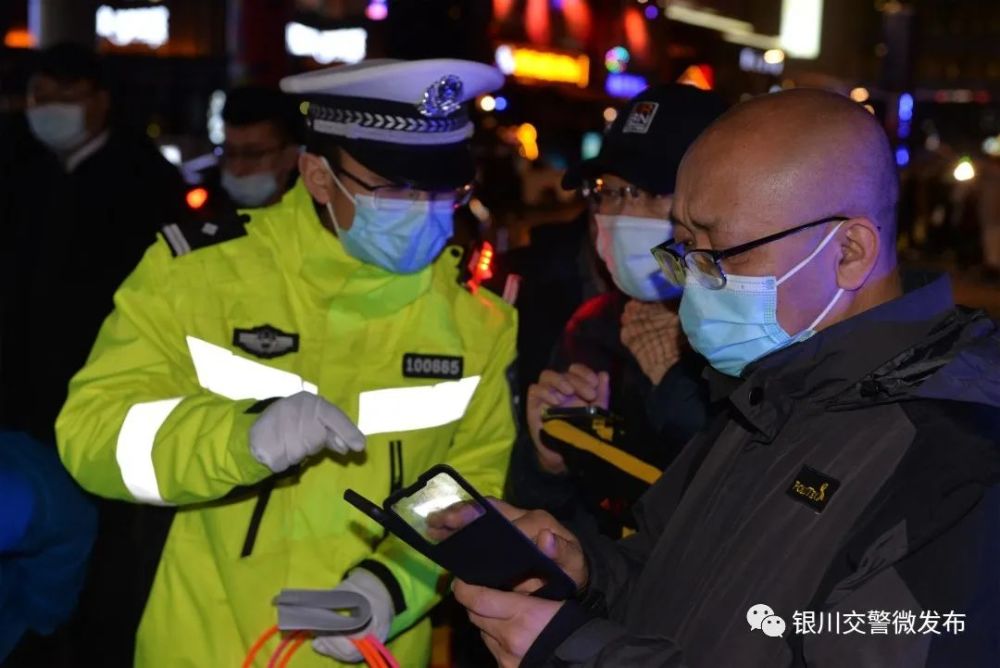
column 624, row 243
column 252, row 190
column 61, row 127
column 401, row 240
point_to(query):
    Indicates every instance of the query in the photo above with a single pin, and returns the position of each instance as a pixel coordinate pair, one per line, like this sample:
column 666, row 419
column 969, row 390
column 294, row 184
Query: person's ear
column 860, row 244
column 316, row 177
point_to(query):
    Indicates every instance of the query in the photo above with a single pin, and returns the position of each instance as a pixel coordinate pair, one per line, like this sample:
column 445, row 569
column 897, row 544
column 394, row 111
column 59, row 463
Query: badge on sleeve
column 265, row 341
column 432, row 366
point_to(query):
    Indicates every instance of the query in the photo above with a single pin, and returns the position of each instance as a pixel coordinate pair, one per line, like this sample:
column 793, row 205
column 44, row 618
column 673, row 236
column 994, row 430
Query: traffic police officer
column 242, row 353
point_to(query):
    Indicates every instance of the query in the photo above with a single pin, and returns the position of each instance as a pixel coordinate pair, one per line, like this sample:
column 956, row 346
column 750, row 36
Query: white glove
column 340, row 647
column 291, row 429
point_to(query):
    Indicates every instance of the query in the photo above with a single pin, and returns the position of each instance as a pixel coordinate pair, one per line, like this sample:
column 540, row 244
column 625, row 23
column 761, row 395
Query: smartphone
column 576, row 412
column 447, row 520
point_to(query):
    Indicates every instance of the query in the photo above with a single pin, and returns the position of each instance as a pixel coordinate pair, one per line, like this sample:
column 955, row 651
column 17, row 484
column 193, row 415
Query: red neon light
column 196, row 198
column 536, row 21
column 577, row 15
column 501, row 8
column 636, row 33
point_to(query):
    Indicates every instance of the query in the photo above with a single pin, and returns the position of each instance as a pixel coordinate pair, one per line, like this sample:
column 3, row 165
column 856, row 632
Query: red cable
column 276, row 655
column 293, row 648
column 377, row 645
column 257, row 645
column 369, row 654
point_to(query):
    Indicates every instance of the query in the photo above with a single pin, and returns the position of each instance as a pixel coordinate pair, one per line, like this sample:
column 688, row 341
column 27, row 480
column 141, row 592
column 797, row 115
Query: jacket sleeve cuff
column 389, row 581
column 571, row 616
column 249, row 469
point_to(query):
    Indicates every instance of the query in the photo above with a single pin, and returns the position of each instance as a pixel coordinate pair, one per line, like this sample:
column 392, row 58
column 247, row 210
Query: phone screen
column 439, row 509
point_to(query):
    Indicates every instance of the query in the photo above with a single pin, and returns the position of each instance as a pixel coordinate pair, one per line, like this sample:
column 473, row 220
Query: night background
column 928, row 69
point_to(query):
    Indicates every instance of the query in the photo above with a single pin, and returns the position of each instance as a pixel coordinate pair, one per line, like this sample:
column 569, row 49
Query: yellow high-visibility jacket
column 202, row 331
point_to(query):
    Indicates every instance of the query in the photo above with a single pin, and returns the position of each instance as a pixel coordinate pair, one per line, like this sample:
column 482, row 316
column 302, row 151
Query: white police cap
column 409, row 103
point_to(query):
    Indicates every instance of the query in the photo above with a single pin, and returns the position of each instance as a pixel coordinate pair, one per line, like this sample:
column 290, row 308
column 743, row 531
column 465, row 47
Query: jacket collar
column 305, row 247
column 837, row 357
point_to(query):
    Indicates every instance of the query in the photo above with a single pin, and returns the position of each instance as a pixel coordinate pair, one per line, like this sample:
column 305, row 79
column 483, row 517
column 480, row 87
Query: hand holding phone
column 577, row 387
column 447, row 520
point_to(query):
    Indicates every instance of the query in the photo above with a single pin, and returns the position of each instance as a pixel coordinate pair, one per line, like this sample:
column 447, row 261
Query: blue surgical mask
column 623, row 242
column 61, row 127
column 402, row 239
column 738, row 324
column 252, row 190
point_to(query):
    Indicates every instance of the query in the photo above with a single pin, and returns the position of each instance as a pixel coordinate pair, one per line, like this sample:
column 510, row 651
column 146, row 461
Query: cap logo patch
column 442, row 98
column 641, row 118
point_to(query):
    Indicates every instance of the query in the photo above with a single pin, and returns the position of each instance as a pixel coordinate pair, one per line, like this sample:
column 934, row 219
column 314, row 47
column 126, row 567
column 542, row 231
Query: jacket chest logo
column 265, row 341
column 813, row 488
column 432, row 366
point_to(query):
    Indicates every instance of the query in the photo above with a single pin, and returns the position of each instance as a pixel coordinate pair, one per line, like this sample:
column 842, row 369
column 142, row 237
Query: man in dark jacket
column 622, row 350
column 79, row 203
column 844, row 507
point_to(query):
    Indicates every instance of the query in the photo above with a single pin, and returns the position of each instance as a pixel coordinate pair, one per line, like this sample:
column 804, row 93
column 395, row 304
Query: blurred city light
column 19, row 38
column 774, row 56
column 801, row 27
column 860, row 94
column 902, row 156
column 651, row 12
column 501, row 103
column 991, row 146
column 487, row 103
column 699, row 76
column 964, row 170
column 527, row 137
column 216, row 126
column 752, row 60
column 550, row 66
column 144, row 25
column 610, row 114
column 591, row 145
column 196, row 198
column 377, row 10
column 625, row 85
column 171, row 153
column 345, row 45
column 616, row 59
column 906, row 107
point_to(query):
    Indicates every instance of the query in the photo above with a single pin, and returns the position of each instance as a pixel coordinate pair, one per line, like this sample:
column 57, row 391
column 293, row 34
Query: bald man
column 843, row 509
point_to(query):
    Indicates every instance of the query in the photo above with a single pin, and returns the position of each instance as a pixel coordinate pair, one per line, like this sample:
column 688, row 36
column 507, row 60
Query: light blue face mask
column 401, row 239
column 738, row 324
column 252, row 190
column 623, row 242
column 60, row 126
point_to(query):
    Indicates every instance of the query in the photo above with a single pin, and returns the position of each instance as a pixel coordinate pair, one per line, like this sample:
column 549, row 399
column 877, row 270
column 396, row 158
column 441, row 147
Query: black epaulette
column 186, row 237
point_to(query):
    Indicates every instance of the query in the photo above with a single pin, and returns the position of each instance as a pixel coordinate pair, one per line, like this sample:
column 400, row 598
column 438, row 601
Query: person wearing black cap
column 263, row 132
column 622, row 350
column 257, row 367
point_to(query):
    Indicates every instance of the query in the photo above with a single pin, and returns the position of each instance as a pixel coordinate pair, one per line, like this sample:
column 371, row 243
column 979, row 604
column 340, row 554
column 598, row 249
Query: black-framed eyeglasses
column 392, row 196
column 705, row 265
column 613, row 200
